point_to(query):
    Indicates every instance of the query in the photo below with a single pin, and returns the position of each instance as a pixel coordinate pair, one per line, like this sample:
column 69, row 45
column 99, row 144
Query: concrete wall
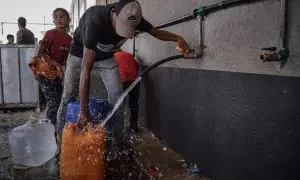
column 233, row 37
column 232, row 114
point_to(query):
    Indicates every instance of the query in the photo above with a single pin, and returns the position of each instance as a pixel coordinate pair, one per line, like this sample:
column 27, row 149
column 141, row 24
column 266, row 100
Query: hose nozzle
column 192, row 55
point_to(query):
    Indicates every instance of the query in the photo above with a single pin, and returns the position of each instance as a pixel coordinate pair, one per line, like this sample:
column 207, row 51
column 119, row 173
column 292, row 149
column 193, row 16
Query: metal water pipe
column 200, row 13
column 282, row 53
column 200, row 43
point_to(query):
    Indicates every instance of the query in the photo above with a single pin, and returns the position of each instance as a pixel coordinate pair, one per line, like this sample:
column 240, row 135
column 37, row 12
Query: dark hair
column 22, row 21
column 66, row 13
column 10, row 36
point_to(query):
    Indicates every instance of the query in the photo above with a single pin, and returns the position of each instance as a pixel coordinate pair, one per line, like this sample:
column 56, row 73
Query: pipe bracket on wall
column 201, row 11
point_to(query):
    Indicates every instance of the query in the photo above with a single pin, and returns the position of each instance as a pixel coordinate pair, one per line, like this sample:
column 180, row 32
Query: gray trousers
column 109, row 72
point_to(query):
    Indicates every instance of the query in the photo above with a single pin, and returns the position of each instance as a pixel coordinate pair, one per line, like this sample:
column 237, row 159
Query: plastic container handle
column 44, row 120
column 181, row 50
column 31, row 121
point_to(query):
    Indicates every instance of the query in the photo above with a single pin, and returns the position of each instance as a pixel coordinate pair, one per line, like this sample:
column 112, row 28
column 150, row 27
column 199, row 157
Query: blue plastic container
column 98, row 109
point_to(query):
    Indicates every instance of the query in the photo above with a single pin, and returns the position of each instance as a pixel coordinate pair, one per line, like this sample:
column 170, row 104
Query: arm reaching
column 84, row 86
column 168, row 36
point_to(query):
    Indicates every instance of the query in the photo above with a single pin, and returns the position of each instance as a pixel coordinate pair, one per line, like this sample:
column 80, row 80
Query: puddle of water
column 123, row 167
column 48, row 171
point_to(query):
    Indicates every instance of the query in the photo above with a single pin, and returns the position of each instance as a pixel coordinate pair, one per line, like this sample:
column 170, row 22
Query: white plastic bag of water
column 33, row 143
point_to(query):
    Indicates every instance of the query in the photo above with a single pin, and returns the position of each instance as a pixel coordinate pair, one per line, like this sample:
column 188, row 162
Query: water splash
column 121, row 99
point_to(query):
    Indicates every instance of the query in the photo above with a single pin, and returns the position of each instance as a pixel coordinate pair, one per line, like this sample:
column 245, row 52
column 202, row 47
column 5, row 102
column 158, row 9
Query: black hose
column 145, row 72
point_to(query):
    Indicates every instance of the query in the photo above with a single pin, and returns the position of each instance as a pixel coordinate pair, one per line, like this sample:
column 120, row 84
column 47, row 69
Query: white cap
column 129, row 15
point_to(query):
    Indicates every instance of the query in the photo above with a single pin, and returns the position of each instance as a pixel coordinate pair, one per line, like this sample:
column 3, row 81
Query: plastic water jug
column 33, row 143
column 98, row 109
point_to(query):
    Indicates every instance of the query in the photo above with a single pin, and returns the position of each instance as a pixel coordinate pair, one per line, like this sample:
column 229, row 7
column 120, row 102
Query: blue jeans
column 52, row 90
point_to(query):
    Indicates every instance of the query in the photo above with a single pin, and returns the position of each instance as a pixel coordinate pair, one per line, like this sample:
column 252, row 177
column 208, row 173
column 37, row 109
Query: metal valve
column 273, row 54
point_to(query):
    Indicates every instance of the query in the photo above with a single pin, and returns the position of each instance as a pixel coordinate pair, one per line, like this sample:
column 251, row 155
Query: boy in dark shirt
column 24, row 35
column 101, row 32
column 10, row 39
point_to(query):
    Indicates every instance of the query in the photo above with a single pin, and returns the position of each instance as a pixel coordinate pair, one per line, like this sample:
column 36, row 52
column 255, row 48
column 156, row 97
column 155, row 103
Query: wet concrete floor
column 124, row 167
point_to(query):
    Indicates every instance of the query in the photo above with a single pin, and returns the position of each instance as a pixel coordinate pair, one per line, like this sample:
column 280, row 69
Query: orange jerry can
column 41, row 66
column 82, row 153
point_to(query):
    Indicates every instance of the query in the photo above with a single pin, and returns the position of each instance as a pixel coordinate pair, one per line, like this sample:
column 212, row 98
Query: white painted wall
column 233, row 36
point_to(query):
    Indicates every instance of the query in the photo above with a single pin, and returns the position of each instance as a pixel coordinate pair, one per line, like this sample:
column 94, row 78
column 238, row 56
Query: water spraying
column 138, row 79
